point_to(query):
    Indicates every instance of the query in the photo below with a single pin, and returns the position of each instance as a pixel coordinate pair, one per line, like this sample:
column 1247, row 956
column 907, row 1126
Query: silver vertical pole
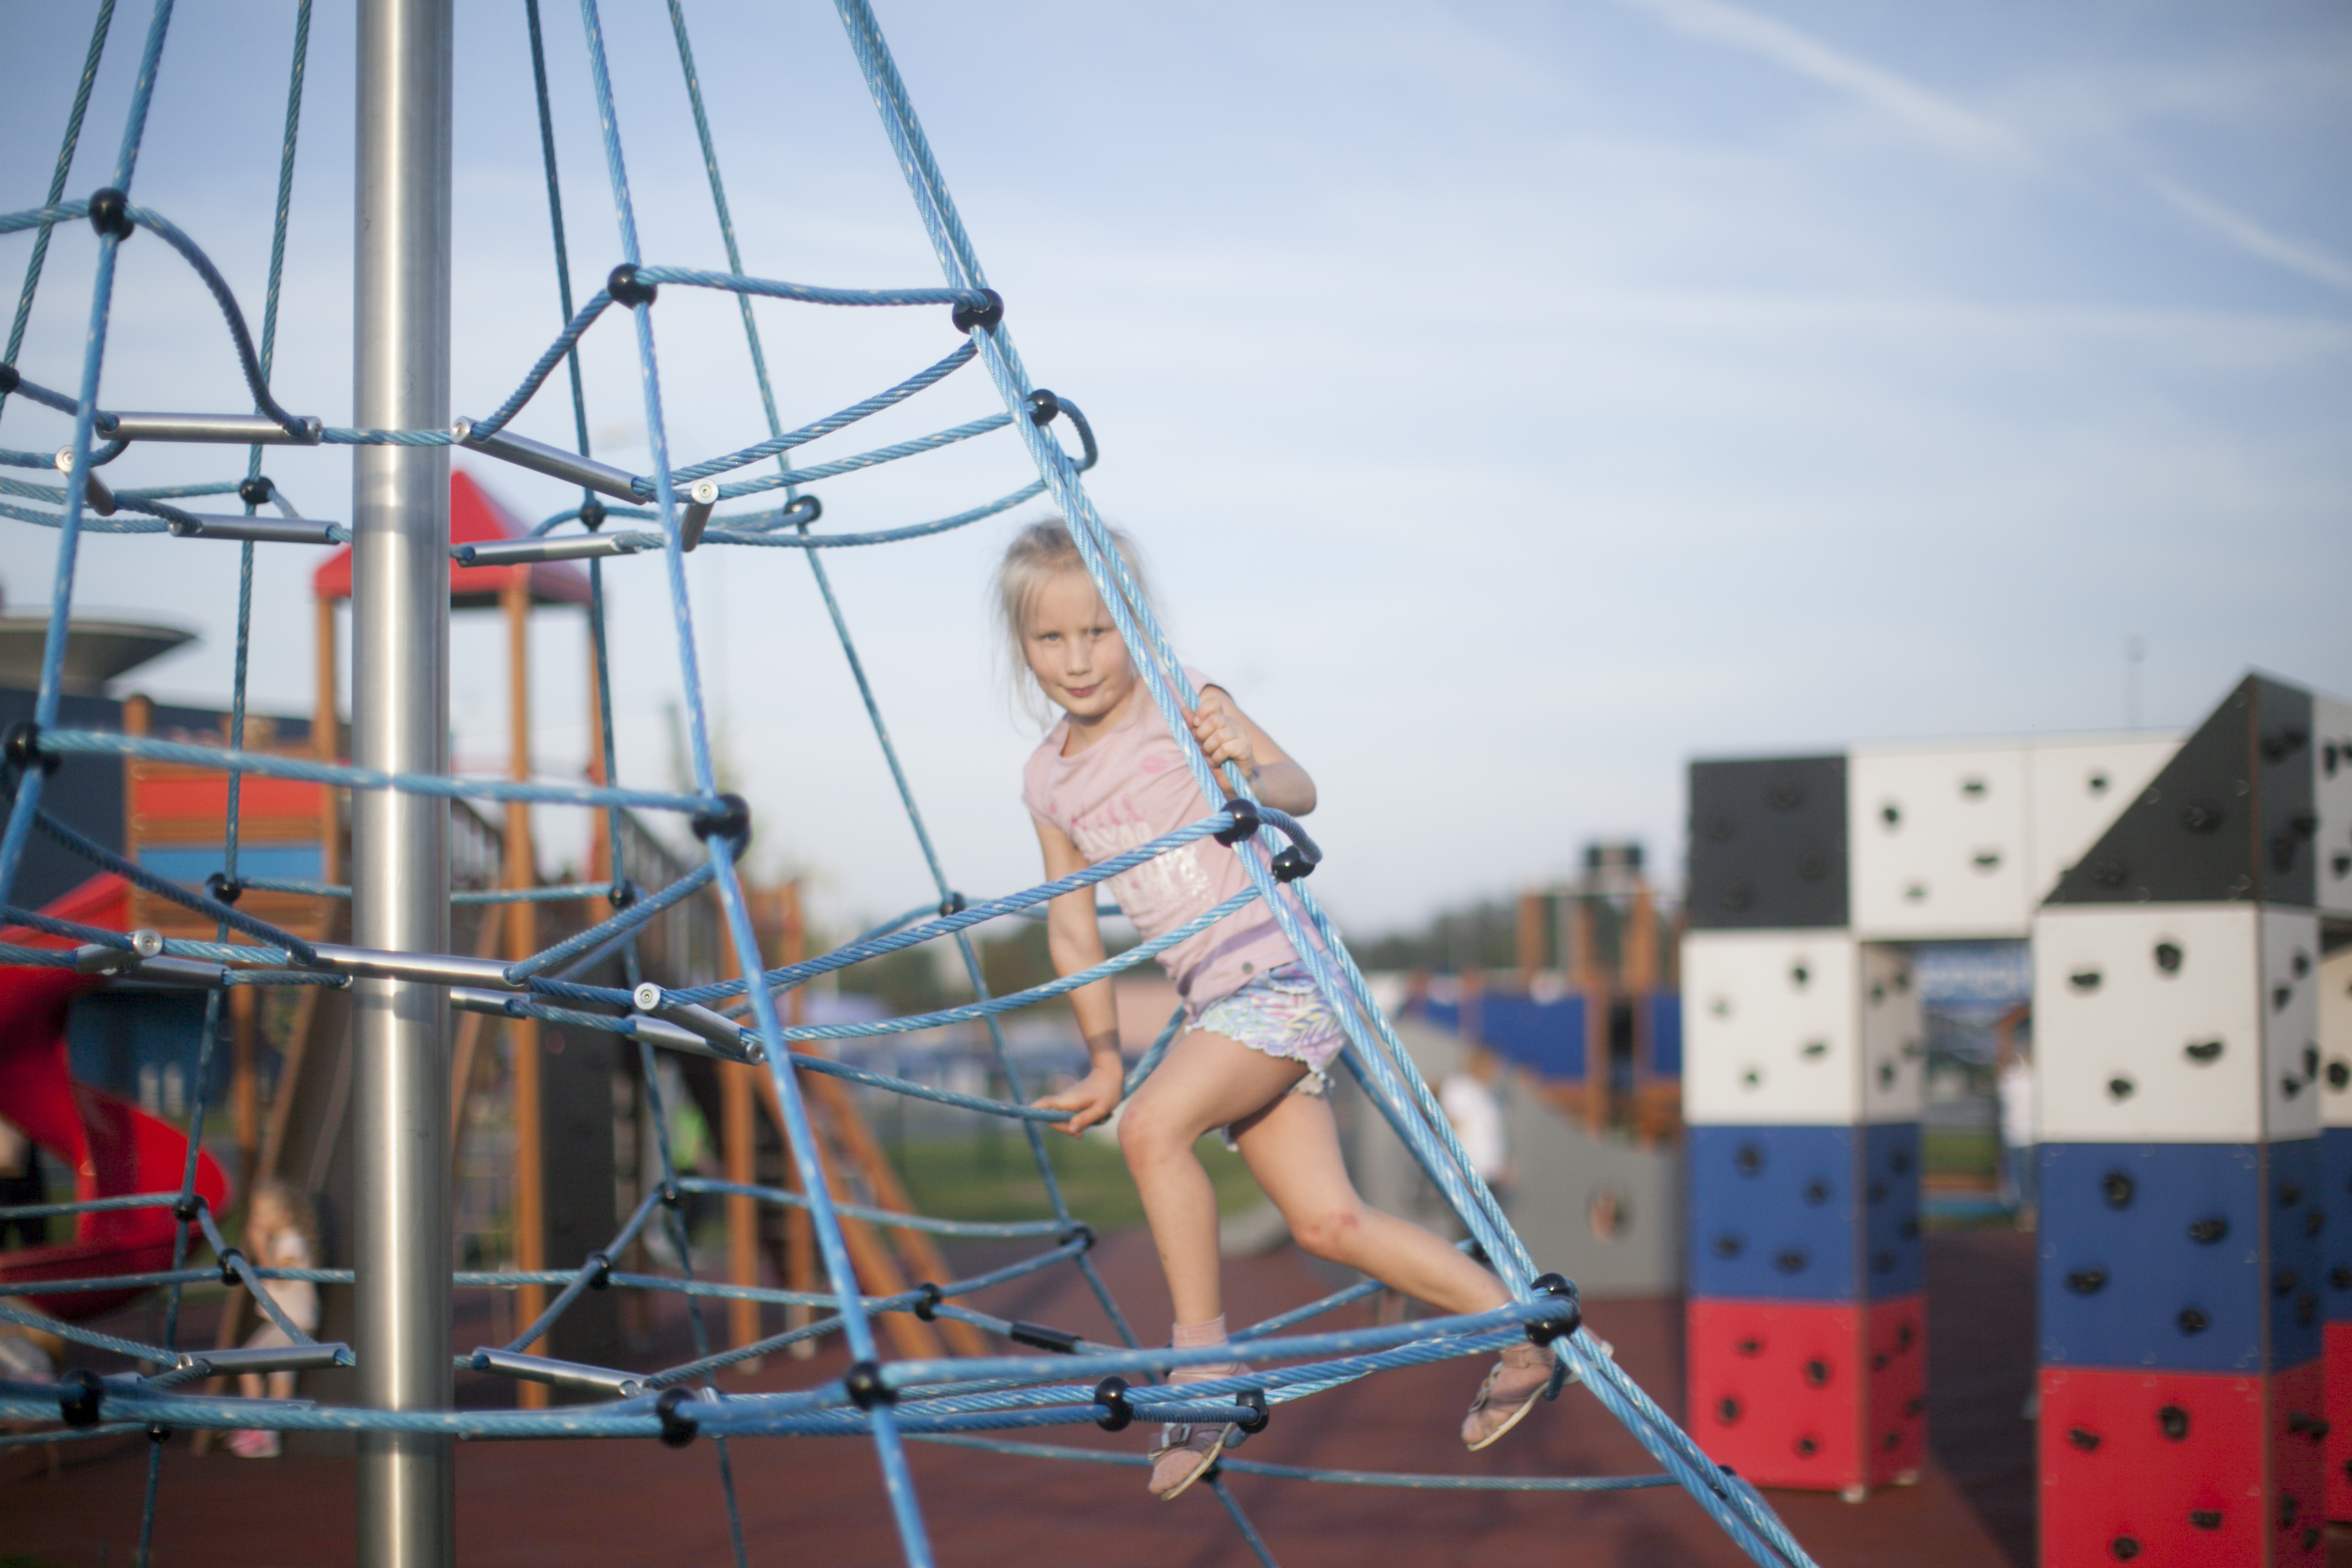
column 400, row 722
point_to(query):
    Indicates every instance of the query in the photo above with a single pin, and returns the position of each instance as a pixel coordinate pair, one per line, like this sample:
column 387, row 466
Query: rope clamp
column 1079, row 1231
column 186, row 1210
column 953, row 904
column 10, row 378
column 676, row 1428
column 256, row 490
column 1557, row 1285
column 985, row 317
column 23, row 747
column 79, row 1394
column 597, row 1270
column 866, row 1389
column 1246, row 823
column 223, row 889
column 1116, row 1413
column 927, row 1299
column 670, row 1195
column 626, row 287
column 592, row 514
column 1255, row 1399
column 109, row 212
column 621, row 894
column 731, row 822
column 229, row 1258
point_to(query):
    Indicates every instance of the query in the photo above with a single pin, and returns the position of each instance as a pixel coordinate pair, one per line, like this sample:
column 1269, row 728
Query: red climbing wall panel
column 1824, row 1395
column 2182, row 1466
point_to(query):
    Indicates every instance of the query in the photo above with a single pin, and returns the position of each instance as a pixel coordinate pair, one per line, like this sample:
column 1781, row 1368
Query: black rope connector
column 8, row 378
column 1246, row 820
column 866, row 1389
column 627, row 288
column 186, row 1210
column 677, row 1427
column 1116, row 1413
column 928, row 1298
column 109, row 212
column 159, row 1436
column 223, row 889
column 953, row 904
column 670, row 1196
column 256, row 490
column 731, row 821
column 804, row 510
column 1079, row 1231
column 1543, row 1333
column 1253, row 1399
column 621, row 894
column 967, row 317
column 23, row 748
column 1042, row 406
column 79, row 1394
column 1043, row 1336
column 1290, row 864
column 592, row 514
column 598, row 1270
column 229, row 1258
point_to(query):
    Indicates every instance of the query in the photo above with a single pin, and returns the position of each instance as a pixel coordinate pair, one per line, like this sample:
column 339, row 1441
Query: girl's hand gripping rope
column 1094, row 1096
column 1217, row 725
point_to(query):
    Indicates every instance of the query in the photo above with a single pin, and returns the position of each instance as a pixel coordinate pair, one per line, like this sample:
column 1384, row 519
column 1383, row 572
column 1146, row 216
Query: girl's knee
column 1332, row 1234
column 1146, row 1131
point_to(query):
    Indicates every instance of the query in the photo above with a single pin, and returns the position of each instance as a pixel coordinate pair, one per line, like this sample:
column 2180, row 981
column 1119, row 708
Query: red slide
column 113, row 1148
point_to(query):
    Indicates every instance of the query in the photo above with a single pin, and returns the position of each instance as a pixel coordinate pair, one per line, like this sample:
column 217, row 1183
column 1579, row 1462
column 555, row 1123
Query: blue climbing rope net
column 943, row 1400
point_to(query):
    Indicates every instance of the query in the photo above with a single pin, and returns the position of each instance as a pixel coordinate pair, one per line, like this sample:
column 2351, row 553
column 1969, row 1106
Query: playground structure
column 400, row 970
column 2189, row 903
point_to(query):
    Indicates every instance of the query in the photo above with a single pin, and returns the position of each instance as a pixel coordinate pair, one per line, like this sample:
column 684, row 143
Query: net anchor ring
column 984, row 316
column 865, row 1387
column 677, row 1428
column 1555, row 1285
column 1253, row 1399
column 928, row 1298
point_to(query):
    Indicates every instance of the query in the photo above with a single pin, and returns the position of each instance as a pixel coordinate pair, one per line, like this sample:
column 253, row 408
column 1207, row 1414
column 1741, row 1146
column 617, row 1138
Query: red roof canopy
column 475, row 518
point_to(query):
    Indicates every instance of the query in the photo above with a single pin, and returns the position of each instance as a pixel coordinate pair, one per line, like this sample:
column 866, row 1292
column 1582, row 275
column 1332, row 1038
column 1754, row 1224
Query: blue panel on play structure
column 1774, row 1213
column 2335, row 1193
column 1664, row 1009
column 2158, row 1255
column 1547, row 1038
column 1894, row 1258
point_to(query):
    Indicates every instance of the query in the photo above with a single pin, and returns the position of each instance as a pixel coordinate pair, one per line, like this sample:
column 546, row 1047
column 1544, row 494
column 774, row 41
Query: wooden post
column 1533, row 953
column 244, row 1092
column 522, row 941
column 326, row 743
column 740, row 1128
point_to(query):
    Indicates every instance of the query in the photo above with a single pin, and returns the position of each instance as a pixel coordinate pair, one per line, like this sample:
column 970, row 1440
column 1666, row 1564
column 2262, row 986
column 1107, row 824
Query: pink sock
column 1195, row 1336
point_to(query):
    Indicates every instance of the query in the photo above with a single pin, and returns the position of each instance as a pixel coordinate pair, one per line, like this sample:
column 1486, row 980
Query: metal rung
column 724, row 1034
column 554, row 461
column 268, row 529
column 269, row 1358
column 233, row 430
column 523, row 551
column 561, row 1374
column 438, row 968
column 654, row 1031
column 700, row 500
column 94, row 491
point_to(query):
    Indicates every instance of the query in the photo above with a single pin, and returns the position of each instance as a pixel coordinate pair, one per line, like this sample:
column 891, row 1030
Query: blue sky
column 1516, row 401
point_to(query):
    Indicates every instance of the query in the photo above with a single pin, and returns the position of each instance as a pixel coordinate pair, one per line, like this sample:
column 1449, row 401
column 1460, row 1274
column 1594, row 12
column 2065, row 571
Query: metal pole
column 400, row 722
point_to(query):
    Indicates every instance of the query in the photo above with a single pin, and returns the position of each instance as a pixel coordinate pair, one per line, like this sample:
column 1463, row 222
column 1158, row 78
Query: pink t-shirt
column 1127, row 789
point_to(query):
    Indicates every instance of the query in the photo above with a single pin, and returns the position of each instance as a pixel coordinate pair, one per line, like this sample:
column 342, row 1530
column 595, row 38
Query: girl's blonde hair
column 1038, row 554
column 294, row 1204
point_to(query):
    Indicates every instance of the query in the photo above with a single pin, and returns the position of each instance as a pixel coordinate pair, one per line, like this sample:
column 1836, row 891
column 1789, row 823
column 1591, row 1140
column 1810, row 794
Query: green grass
column 985, row 1178
column 1953, row 1152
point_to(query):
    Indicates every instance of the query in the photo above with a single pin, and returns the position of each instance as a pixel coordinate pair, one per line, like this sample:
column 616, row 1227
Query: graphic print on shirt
column 1174, row 880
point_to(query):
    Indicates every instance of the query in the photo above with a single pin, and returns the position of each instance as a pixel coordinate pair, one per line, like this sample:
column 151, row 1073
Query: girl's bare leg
column 1293, row 1150
column 1206, row 1081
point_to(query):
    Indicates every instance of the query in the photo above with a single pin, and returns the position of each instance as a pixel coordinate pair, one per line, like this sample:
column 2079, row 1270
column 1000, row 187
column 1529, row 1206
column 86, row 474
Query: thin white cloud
column 1929, row 115
column 1962, row 130
column 2250, row 237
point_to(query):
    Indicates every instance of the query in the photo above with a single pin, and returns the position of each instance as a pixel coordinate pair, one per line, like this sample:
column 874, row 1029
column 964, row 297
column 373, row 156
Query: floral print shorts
column 1282, row 1014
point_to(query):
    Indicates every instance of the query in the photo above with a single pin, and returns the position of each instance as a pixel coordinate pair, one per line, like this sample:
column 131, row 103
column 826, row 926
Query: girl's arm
column 1074, row 939
column 1228, row 734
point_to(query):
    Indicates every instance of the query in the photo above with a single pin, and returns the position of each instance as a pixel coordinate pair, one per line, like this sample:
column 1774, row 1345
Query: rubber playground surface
column 811, row 1500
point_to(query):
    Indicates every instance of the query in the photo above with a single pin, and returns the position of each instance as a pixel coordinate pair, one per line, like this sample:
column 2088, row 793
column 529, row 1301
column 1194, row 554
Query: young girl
column 277, row 1234
column 1110, row 776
